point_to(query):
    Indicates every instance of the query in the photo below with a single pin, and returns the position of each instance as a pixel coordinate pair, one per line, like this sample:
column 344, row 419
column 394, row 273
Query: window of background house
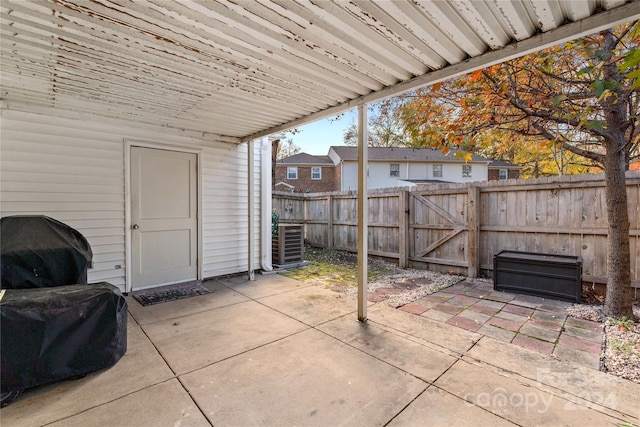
column 466, row 171
column 292, row 173
column 394, row 169
column 503, row 174
column 437, row 171
column 316, row 173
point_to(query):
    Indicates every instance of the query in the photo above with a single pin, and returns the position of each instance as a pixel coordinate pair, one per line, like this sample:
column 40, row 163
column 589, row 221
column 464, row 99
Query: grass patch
column 332, row 267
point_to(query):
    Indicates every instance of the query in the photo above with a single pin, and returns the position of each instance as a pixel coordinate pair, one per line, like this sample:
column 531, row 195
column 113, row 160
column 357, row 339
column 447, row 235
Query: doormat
column 173, row 293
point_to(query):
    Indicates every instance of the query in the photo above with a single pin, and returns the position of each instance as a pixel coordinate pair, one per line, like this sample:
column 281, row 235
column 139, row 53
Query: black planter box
column 542, row 275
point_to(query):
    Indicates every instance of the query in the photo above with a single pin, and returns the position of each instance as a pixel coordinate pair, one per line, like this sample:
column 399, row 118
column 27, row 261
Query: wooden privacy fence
column 460, row 227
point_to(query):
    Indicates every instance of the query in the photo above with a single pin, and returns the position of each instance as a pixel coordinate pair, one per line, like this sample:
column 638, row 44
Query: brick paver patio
column 535, row 323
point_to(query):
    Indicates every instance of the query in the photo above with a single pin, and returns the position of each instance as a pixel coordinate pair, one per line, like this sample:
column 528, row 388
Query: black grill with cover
column 53, row 324
column 40, row 252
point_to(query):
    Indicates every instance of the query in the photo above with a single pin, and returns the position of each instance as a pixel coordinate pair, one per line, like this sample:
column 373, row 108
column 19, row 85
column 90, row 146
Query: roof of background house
column 305, row 159
column 501, row 164
column 427, row 181
column 402, row 154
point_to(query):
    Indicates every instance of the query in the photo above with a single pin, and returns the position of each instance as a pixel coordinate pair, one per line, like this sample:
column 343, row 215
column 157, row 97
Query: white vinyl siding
column 73, row 170
column 379, row 174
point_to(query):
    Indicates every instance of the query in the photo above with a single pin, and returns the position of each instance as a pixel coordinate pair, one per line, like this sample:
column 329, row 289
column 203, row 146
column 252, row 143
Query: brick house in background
column 305, row 173
column 498, row 169
column 388, row 167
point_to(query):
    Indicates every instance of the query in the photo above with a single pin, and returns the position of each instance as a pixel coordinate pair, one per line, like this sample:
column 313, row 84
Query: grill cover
column 61, row 332
column 40, row 252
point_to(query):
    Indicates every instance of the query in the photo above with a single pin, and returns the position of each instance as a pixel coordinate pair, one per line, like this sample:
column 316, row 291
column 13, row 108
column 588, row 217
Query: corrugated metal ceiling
column 246, row 68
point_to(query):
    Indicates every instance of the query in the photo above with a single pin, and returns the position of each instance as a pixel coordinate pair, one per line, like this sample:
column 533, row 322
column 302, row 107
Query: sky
column 316, row 138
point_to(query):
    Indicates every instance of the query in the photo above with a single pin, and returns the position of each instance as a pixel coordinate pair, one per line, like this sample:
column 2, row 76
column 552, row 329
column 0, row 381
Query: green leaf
column 634, row 74
column 631, row 59
column 595, row 124
column 558, row 99
column 585, row 70
column 598, row 87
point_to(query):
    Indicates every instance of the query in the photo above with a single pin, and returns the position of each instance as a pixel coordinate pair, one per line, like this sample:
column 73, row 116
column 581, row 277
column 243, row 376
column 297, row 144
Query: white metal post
column 250, row 191
column 363, row 212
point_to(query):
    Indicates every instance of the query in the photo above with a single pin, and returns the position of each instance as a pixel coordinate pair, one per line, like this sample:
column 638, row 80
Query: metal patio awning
column 248, row 68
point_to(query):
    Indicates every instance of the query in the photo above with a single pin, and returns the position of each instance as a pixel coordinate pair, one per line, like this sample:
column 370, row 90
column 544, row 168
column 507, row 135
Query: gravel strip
column 622, row 352
column 436, row 282
column 621, row 356
column 586, row 312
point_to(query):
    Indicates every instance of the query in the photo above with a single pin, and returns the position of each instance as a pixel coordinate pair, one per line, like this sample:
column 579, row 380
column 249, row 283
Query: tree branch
column 580, row 152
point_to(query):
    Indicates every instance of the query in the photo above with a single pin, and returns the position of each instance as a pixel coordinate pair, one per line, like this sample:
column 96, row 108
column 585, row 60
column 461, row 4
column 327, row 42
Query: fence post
column 403, row 231
column 473, row 233
column 330, row 222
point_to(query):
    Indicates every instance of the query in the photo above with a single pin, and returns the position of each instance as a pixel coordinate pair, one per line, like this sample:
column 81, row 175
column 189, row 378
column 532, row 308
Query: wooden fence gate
column 439, row 228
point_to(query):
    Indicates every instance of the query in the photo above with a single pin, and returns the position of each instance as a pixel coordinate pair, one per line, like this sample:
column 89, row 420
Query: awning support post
column 363, row 212
column 251, row 205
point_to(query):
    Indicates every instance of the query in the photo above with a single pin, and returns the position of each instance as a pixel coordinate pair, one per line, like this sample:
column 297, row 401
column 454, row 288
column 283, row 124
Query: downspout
column 251, row 203
column 266, row 201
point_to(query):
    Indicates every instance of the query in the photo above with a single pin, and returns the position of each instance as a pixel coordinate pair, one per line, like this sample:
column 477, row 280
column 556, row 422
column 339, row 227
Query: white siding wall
column 420, row 171
column 73, row 171
column 379, row 176
column 452, row 172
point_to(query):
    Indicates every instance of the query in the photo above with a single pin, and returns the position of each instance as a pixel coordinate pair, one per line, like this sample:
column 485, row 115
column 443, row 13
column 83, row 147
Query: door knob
column 135, row 226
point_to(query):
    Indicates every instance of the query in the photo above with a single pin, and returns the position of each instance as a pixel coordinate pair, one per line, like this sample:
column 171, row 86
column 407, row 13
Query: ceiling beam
column 601, row 21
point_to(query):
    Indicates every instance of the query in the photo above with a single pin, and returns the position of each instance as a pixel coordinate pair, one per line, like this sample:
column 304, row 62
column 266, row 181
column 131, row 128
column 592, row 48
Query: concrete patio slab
column 197, row 340
column 582, row 357
column 440, row 334
column 613, row 395
column 164, row 404
column 497, row 333
column 140, row 367
column 313, row 305
column 219, row 296
column 438, row 315
column 476, row 316
column 585, row 334
column 504, row 314
column 263, row 286
column 516, row 400
column 539, row 333
column 249, row 363
column 409, row 354
column 534, row 344
column 584, row 324
column 435, row 407
column 306, row 379
column 549, row 315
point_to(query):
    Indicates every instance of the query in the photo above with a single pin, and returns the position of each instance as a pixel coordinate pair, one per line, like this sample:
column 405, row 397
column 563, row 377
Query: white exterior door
column 164, row 225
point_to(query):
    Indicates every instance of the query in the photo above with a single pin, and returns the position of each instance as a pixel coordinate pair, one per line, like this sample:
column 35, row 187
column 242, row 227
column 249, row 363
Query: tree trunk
column 618, row 301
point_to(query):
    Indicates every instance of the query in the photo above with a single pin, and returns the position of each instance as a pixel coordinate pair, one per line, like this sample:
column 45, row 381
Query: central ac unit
column 288, row 245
